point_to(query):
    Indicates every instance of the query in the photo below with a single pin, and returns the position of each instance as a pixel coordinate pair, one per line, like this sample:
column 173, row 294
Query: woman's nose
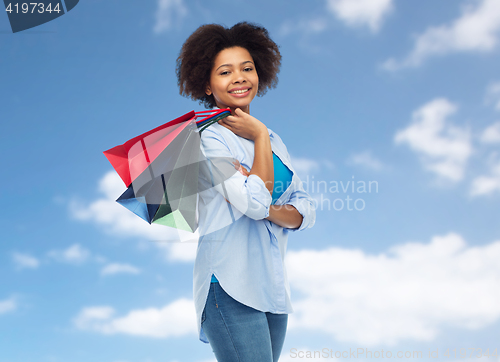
column 238, row 77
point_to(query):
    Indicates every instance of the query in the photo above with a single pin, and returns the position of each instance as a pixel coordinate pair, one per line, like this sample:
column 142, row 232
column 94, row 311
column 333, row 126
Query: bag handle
column 210, row 117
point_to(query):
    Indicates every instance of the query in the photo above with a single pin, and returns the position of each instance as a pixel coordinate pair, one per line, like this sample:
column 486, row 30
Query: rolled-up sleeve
column 248, row 195
column 304, row 205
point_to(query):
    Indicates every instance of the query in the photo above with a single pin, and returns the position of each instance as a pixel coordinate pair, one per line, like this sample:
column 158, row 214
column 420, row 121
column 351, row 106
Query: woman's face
column 233, row 80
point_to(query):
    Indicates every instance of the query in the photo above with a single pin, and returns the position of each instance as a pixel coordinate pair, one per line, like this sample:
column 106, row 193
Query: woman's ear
column 208, row 91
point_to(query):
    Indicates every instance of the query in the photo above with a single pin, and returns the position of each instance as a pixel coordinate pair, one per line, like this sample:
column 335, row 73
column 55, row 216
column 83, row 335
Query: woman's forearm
column 263, row 160
column 285, row 216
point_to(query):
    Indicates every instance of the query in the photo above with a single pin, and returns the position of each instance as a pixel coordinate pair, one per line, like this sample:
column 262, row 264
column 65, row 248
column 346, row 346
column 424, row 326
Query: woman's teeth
column 239, row 91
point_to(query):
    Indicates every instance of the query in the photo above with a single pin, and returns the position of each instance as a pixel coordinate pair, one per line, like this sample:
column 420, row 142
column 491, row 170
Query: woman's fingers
column 240, row 168
column 226, row 124
column 228, row 120
column 229, row 123
column 243, row 124
column 231, row 118
column 239, row 112
column 223, row 122
column 244, row 171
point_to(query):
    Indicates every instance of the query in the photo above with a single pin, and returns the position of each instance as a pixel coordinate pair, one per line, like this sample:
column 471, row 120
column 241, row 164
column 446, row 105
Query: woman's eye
column 248, row 69
column 224, row 72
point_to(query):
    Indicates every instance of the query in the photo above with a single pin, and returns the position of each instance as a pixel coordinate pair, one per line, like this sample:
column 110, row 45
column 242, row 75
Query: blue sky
column 402, row 94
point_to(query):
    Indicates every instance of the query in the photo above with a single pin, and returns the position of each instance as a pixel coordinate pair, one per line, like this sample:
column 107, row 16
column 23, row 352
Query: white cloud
column 487, row 184
column 168, row 12
column 117, row 220
column 370, row 13
column 25, row 261
column 88, row 317
column 304, row 26
column 444, row 149
column 491, row 134
column 75, row 254
column 493, row 95
column 173, row 320
column 475, row 31
column 411, row 292
column 184, row 252
column 365, row 159
column 117, row 268
column 303, row 29
column 7, row 305
column 305, row 165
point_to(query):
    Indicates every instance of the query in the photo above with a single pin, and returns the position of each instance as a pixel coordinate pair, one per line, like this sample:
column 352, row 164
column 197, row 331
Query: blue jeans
column 239, row 333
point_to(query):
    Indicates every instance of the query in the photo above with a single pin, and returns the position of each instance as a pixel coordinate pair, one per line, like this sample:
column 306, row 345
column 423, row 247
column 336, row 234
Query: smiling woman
column 233, row 81
column 241, row 291
column 198, row 54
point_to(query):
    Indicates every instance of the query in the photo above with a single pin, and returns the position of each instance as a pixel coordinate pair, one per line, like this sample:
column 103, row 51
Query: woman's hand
column 244, row 125
column 240, row 168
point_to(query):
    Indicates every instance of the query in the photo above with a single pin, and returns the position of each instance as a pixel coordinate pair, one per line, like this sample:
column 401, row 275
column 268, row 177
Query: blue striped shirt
column 237, row 244
column 282, row 178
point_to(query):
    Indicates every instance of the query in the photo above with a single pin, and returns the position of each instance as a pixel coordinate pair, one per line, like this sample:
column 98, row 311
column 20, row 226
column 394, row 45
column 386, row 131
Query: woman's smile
column 240, row 92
